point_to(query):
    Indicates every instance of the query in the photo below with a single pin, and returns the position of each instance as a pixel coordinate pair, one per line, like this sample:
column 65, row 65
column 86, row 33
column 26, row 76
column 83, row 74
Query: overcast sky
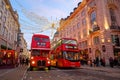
column 36, row 15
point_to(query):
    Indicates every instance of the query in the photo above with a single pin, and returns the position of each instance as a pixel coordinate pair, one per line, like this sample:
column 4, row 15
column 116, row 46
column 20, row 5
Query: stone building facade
column 10, row 33
column 9, row 26
column 96, row 26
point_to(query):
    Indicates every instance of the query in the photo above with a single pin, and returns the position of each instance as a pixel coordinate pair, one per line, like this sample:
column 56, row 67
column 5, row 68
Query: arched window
column 112, row 16
column 93, row 17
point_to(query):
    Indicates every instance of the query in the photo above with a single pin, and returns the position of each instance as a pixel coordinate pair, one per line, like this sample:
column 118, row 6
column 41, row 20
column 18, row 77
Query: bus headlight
column 32, row 57
column 33, row 62
column 48, row 62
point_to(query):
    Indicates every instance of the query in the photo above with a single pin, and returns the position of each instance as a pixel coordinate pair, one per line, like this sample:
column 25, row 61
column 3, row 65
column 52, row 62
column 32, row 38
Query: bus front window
column 45, row 53
column 71, row 55
column 69, row 42
column 35, row 53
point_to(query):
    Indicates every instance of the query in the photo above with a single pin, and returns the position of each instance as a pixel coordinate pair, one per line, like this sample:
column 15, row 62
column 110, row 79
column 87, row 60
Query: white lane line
column 6, row 72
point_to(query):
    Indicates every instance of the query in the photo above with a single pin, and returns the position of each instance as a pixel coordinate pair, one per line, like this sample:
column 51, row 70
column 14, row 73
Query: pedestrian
column 90, row 62
column 20, row 61
column 23, row 61
column 103, row 61
column 111, row 62
column 27, row 61
column 115, row 61
column 94, row 63
column 97, row 61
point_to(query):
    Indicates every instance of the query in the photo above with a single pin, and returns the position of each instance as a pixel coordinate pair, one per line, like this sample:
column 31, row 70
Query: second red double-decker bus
column 40, row 47
column 65, row 53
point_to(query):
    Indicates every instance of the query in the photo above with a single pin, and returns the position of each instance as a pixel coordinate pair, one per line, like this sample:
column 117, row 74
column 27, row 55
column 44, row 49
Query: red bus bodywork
column 40, row 48
column 66, row 53
column 8, row 58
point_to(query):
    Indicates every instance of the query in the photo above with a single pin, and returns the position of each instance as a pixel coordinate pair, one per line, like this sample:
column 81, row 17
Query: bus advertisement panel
column 40, row 48
column 66, row 53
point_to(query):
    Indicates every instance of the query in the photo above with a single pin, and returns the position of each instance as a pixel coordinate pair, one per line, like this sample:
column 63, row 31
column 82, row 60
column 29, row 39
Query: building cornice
column 8, row 6
column 68, row 20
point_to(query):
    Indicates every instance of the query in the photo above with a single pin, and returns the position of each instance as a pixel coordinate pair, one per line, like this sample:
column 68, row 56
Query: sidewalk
column 101, row 68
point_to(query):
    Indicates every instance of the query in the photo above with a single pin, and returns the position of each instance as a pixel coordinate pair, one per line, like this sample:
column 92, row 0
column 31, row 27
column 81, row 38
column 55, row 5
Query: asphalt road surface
column 23, row 73
column 70, row 74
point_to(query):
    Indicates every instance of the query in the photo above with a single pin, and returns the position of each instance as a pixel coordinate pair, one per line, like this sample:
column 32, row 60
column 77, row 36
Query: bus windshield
column 71, row 55
column 69, row 42
column 40, row 53
column 41, row 39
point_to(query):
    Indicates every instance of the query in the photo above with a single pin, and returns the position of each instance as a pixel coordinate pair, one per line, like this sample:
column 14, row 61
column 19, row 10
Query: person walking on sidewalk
column 97, row 61
column 94, row 63
column 111, row 62
column 102, row 61
column 27, row 61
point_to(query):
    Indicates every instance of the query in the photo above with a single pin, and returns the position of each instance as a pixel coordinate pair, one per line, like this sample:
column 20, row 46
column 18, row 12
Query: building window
column 79, row 37
column 3, row 30
column 84, row 32
column 115, row 40
column 73, row 28
column 112, row 16
column 96, row 40
column 83, row 44
column 83, row 13
column 78, row 24
column 93, row 17
column 83, row 22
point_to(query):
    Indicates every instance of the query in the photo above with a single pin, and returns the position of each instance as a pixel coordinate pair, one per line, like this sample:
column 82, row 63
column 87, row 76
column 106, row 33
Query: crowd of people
column 24, row 61
column 102, row 62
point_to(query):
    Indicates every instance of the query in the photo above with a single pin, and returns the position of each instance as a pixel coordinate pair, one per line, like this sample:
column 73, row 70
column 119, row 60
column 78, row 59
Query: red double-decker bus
column 40, row 48
column 66, row 53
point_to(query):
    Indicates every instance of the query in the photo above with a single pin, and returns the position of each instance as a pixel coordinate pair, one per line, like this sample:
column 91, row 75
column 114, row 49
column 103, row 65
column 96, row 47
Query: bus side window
column 64, row 55
column 60, row 55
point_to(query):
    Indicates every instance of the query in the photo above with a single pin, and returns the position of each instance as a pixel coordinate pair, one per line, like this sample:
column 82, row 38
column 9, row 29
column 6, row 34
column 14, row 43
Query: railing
column 94, row 29
column 113, row 27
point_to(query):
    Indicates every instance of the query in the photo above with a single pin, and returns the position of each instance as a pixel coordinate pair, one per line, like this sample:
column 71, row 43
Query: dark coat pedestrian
column 23, row 61
column 27, row 61
column 97, row 61
column 111, row 62
column 115, row 61
column 103, row 62
column 94, row 63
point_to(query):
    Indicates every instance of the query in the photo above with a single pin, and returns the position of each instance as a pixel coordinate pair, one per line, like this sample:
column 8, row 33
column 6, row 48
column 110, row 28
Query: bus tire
column 56, row 65
column 49, row 68
column 31, row 68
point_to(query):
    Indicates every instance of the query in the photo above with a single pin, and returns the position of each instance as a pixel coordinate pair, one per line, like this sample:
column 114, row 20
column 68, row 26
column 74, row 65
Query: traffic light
column 117, row 41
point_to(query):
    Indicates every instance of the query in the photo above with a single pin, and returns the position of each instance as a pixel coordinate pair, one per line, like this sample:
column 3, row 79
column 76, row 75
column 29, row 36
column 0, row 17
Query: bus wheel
column 56, row 65
column 49, row 68
column 31, row 68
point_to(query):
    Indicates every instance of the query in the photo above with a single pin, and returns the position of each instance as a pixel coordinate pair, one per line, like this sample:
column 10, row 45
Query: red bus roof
column 69, row 38
column 39, row 43
column 41, row 35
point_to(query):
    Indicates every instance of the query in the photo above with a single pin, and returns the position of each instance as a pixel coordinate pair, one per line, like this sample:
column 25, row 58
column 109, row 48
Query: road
column 23, row 73
column 71, row 74
column 13, row 73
